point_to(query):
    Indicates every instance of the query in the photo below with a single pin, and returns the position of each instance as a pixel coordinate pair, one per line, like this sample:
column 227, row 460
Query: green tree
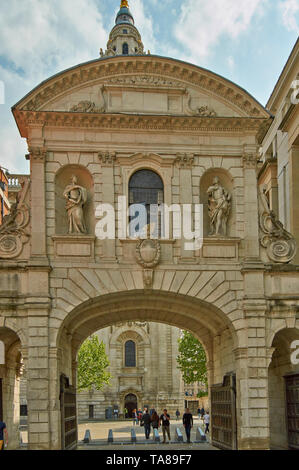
column 92, row 365
column 192, row 359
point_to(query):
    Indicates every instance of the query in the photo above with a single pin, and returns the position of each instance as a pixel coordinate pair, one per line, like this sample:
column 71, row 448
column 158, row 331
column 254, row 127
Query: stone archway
column 208, row 323
column 10, row 371
column 131, row 403
column 283, row 376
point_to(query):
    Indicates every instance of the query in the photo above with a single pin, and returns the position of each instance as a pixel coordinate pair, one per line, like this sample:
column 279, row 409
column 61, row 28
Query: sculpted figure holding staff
column 76, row 197
column 219, row 206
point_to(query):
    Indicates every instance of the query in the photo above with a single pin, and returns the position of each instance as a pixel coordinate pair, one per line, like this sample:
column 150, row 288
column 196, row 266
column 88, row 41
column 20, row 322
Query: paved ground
column 122, row 436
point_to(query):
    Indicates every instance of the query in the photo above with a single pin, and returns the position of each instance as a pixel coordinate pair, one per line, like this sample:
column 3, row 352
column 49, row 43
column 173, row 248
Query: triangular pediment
column 146, row 85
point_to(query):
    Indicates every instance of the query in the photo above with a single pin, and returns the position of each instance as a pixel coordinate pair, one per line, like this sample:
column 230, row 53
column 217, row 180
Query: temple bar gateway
column 156, row 130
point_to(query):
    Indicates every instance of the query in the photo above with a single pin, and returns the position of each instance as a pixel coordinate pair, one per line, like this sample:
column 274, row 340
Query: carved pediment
column 142, row 85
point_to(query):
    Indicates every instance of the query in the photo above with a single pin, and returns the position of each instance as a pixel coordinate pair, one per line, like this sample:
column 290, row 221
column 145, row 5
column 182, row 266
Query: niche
column 62, row 180
column 226, row 181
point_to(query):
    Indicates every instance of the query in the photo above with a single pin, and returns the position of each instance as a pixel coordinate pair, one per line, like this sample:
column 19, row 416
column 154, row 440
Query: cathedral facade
column 130, row 133
column 143, row 370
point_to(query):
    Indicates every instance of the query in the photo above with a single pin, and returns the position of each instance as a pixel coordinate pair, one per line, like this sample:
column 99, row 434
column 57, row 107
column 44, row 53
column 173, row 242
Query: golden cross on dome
column 124, row 4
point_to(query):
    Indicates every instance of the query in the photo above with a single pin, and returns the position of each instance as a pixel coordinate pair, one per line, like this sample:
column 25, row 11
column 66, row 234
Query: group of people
column 153, row 420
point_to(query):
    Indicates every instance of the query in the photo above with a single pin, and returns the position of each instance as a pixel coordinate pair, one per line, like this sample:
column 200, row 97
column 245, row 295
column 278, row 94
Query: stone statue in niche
column 76, row 197
column 219, row 206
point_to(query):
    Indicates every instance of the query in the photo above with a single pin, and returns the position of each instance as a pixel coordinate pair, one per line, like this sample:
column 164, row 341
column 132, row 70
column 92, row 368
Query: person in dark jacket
column 146, row 422
column 188, row 423
column 155, row 421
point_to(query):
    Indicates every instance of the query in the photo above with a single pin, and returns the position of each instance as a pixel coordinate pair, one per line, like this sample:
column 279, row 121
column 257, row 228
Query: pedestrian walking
column 3, row 434
column 202, row 412
column 165, row 421
column 126, row 412
column 115, row 412
column 206, row 420
column 155, row 421
column 146, row 422
column 177, row 414
column 135, row 417
column 188, row 423
column 199, row 413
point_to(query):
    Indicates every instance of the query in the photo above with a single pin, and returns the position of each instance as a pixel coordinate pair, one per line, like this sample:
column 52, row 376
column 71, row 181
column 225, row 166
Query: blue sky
column 246, row 41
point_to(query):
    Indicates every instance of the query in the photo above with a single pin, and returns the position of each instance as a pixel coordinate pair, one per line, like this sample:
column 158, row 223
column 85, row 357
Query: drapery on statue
column 219, row 206
column 76, row 197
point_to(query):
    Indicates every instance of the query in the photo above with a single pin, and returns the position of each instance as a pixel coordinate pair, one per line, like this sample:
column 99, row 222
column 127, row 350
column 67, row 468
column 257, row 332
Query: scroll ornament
column 13, row 234
column 280, row 245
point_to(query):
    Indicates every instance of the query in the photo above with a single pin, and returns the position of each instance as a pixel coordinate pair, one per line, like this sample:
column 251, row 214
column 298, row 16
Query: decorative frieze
column 142, row 66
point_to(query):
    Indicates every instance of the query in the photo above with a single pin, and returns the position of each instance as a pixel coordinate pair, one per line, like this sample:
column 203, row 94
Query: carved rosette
column 280, row 245
column 148, row 254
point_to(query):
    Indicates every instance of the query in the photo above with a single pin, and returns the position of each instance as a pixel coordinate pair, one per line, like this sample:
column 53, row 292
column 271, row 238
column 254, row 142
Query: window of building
column 91, row 411
column 125, row 31
column 125, row 49
column 23, row 410
column 146, row 188
column 130, row 354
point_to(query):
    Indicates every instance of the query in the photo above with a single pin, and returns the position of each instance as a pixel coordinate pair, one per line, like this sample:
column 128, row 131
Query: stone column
column 252, row 388
column 11, row 402
column 252, row 247
column 294, row 194
column 54, row 402
column 38, row 379
column 185, row 163
column 108, row 196
column 38, row 202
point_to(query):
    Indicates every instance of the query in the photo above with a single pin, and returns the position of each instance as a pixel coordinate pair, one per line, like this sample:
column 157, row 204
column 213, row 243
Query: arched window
column 125, row 49
column 130, row 354
column 146, row 188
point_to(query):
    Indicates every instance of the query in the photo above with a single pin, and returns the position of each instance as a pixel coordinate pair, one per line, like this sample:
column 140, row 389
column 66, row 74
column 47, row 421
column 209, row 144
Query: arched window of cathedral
column 125, row 49
column 130, row 354
column 147, row 188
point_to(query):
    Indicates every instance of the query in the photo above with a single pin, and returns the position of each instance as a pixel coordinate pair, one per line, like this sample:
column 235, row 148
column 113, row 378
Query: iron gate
column 223, row 414
column 292, row 410
column 1, row 402
column 69, row 432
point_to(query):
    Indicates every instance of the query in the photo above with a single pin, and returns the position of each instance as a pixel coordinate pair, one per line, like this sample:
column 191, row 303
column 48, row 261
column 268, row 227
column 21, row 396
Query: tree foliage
column 92, row 365
column 192, row 359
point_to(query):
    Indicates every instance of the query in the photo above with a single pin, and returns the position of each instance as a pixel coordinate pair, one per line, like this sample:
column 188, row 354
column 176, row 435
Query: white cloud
column 145, row 24
column 290, row 14
column 202, row 24
column 39, row 38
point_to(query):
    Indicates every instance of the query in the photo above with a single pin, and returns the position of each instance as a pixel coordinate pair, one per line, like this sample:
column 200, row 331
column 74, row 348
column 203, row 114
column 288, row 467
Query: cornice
column 101, row 69
column 162, row 123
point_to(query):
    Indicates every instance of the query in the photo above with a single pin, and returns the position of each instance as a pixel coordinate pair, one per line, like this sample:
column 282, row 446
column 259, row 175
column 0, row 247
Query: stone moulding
column 160, row 123
column 168, row 69
column 280, row 245
column 74, row 246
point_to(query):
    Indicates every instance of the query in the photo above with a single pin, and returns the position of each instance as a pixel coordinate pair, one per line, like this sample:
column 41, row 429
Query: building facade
column 144, row 372
column 134, row 128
